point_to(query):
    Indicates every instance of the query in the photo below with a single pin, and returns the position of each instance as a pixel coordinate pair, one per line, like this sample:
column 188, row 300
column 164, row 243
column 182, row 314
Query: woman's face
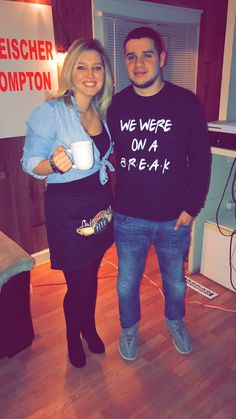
column 88, row 75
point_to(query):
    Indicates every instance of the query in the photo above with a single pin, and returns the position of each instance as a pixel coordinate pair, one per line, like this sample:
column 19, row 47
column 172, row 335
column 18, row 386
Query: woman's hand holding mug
column 79, row 155
column 61, row 159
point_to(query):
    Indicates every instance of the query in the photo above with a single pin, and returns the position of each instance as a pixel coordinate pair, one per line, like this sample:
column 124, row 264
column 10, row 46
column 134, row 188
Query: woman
column 77, row 202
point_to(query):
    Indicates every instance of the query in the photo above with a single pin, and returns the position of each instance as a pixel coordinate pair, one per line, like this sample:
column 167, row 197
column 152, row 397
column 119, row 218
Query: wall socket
column 229, row 205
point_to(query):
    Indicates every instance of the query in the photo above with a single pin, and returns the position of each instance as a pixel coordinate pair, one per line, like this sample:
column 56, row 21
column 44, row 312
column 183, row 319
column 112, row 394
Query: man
column 163, row 170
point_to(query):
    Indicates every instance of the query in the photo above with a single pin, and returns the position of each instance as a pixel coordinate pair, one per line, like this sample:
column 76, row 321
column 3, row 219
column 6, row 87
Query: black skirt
column 79, row 223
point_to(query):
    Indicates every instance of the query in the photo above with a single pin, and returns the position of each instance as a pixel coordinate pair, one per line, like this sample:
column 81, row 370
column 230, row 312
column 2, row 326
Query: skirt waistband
column 88, row 184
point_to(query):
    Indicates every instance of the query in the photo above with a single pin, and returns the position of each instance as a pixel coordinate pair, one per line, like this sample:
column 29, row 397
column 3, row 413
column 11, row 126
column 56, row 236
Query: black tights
column 80, row 299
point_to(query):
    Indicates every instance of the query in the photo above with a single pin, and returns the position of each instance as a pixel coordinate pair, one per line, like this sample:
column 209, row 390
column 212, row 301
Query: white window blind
column 180, row 33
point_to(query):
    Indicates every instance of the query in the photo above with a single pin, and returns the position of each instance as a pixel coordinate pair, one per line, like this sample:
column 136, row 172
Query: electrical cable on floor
column 49, row 284
column 192, row 302
column 188, row 301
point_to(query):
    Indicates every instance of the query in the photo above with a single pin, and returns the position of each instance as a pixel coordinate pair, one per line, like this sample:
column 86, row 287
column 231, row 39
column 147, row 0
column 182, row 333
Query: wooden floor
column 39, row 382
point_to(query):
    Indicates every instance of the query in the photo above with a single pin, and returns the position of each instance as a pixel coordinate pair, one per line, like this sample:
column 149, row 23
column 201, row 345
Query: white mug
column 81, row 153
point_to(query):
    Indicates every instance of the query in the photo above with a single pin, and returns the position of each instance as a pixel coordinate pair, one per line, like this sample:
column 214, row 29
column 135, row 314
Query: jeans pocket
column 186, row 227
column 123, row 227
column 120, row 218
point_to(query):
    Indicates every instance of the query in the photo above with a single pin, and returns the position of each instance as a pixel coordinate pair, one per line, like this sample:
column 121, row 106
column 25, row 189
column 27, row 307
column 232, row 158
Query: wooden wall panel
column 211, row 49
column 211, row 56
column 21, row 199
column 72, row 20
column 15, row 220
column 21, row 196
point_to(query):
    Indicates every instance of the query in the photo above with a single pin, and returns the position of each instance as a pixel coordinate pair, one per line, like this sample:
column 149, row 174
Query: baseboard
column 41, row 257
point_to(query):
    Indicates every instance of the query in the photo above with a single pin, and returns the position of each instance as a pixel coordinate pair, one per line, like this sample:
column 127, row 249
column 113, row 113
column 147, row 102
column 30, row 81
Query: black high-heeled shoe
column 76, row 352
column 94, row 342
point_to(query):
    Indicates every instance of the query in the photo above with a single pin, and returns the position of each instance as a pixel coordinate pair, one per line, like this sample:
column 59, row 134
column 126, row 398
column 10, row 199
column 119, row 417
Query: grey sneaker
column 128, row 343
column 181, row 337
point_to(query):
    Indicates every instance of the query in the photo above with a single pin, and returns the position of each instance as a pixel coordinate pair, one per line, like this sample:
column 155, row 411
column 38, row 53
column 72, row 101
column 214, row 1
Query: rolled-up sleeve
column 40, row 137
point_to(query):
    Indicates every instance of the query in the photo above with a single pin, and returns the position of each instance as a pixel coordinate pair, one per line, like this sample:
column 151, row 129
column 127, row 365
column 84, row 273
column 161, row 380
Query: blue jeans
column 133, row 237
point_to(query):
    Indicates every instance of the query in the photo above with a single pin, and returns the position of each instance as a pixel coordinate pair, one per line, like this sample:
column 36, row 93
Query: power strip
column 200, row 288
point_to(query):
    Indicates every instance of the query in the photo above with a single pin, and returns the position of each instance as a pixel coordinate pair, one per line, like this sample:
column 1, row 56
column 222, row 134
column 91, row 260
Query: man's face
column 143, row 63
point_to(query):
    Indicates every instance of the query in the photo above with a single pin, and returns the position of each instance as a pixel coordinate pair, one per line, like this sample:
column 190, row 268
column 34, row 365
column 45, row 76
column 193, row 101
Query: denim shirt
column 52, row 124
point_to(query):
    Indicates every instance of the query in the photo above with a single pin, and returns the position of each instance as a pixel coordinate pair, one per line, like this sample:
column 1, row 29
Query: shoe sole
column 125, row 357
column 181, row 352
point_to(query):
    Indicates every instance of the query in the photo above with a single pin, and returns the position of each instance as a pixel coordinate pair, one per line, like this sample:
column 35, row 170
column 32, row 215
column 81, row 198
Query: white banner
column 28, row 65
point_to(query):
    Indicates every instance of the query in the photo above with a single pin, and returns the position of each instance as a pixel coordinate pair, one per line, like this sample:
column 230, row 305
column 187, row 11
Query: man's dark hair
column 146, row 32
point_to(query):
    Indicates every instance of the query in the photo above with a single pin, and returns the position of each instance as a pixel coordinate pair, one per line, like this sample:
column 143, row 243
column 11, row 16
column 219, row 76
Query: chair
column 16, row 327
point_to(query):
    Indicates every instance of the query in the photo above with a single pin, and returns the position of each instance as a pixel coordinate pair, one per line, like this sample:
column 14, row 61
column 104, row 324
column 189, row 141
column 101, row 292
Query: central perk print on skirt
column 96, row 225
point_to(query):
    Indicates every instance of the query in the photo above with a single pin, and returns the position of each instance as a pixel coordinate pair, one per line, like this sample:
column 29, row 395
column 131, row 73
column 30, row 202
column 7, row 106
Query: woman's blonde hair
column 103, row 99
